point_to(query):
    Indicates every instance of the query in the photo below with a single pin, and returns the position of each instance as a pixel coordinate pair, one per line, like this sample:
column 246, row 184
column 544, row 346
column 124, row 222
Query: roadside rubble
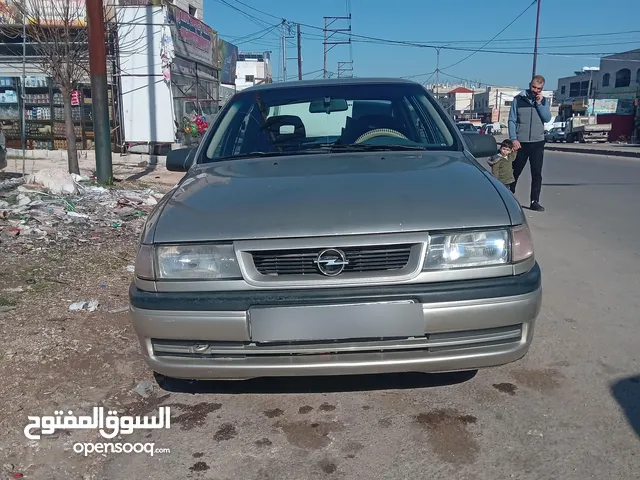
column 68, row 247
column 53, row 206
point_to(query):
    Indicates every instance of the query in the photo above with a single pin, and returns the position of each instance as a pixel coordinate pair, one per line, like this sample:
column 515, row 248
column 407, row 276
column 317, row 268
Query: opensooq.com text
column 90, row 448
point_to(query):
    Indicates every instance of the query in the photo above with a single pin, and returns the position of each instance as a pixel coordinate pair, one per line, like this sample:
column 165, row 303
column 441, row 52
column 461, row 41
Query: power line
column 497, row 35
column 259, row 11
column 371, row 39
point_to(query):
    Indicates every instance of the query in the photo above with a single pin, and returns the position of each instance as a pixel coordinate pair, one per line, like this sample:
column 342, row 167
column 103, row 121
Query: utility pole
column 535, row 48
column 284, row 50
column 328, row 21
column 98, row 72
column 343, row 68
column 299, row 54
column 23, row 94
column 437, row 73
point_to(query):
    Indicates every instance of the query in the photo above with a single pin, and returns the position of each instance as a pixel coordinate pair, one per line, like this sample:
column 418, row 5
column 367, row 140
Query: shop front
column 194, row 76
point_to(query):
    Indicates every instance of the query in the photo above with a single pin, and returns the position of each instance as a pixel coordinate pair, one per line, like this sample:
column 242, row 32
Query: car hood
column 328, row 194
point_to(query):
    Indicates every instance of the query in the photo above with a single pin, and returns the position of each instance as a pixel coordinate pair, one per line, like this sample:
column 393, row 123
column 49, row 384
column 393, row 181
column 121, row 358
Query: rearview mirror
column 480, row 145
column 328, row 105
column 180, row 160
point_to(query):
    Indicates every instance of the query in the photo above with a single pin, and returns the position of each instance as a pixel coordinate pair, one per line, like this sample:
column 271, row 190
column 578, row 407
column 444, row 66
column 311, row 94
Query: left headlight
column 468, row 249
column 196, row 262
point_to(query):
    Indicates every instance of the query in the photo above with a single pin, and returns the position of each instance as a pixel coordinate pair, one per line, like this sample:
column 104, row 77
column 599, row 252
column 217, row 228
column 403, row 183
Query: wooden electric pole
column 535, row 48
column 299, row 54
column 99, row 98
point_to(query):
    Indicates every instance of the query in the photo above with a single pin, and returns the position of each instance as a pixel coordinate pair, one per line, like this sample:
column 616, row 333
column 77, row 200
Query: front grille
column 373, row 258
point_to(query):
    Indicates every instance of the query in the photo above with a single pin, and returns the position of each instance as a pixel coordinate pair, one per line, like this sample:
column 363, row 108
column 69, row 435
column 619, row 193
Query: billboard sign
column 192, row 39
column 45, row 12
column 228, row 55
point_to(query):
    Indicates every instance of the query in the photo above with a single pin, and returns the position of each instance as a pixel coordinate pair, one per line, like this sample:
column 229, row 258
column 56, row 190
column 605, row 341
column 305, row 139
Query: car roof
column 330, row 81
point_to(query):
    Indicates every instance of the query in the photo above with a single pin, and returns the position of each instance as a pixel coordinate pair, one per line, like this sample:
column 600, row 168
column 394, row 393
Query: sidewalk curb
column 594, row 151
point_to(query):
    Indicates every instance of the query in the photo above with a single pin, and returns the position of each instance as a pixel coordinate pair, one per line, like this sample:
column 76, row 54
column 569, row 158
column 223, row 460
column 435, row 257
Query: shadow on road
column 152, row 164
column 347, row 383
column 9, row 176
column 627, row 394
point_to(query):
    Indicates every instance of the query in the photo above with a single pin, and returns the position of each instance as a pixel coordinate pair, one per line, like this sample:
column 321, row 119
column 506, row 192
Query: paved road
column 568, row 410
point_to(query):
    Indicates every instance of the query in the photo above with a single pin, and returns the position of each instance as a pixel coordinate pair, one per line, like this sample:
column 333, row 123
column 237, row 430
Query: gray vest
column 529, row 127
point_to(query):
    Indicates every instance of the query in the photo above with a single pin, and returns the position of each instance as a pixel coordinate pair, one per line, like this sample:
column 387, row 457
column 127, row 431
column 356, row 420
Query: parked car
column 334, row 227
column 556, row 134
column 467, row 127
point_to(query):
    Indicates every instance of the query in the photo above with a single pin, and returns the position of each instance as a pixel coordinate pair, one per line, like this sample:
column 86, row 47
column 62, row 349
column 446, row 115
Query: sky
column 585, row 28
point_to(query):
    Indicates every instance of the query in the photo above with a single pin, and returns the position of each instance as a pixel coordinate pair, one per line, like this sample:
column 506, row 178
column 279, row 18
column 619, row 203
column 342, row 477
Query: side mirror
column 481, row 145
column 180, row 160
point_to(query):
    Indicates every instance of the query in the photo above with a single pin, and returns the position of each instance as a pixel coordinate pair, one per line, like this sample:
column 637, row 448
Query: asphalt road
column 569, row 410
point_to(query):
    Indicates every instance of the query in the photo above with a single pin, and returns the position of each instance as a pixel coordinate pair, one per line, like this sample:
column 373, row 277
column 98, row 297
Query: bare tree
column 58, row 33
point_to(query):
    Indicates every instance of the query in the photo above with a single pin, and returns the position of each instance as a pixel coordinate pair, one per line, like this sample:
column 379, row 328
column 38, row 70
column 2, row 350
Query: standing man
column 529, row 112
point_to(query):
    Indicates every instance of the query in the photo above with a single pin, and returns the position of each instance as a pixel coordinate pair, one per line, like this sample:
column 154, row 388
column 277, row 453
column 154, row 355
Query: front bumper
column 463, row 325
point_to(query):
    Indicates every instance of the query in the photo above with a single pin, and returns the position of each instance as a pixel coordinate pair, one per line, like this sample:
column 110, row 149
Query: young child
column 502, row 165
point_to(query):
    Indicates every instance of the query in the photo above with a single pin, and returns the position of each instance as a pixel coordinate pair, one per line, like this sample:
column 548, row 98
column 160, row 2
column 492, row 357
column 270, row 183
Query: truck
column 586, row 129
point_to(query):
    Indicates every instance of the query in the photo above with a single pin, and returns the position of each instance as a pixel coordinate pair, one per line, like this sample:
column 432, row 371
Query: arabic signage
column 192, row 39
column 611, row 106
column 45, row 12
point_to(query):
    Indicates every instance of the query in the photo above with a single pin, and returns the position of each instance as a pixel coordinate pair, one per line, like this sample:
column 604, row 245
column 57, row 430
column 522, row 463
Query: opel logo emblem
column 331, row 262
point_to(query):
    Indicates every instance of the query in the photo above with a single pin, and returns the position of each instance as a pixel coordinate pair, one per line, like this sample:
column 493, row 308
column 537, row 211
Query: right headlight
column 196, row 262
column 478, row 248
column 187, row 262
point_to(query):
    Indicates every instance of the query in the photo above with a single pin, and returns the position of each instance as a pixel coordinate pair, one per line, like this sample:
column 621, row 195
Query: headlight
column 196, row 262
column 468, row 249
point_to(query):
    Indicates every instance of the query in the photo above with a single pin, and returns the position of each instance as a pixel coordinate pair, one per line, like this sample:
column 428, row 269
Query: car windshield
column 466, row 127
column 328, row 118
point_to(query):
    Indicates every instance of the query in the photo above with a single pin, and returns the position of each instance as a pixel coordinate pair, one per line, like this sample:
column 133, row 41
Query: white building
column 253, row 69
column 194, row 7
column 458, row 101
column 494, row 103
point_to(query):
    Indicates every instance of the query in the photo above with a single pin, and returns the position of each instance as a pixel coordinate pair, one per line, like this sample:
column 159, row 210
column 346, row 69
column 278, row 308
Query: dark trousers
column 534, row 153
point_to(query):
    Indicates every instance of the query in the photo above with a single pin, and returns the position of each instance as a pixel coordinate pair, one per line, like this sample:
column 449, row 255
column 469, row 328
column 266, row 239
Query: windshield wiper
column 246, row 155
column 240, row 156
column 372, row 148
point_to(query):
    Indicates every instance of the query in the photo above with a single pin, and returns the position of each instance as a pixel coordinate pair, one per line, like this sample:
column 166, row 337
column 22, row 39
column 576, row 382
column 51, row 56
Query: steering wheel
column 380, row 132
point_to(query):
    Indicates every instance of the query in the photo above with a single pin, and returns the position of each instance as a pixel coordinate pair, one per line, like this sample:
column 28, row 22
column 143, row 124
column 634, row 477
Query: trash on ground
column 119, row 310
column 144, row 388
column 89, row 305
column 56, row 180
column 52, row 207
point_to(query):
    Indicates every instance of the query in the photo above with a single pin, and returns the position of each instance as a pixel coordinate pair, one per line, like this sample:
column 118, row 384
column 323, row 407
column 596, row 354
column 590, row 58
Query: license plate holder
column 336, row 322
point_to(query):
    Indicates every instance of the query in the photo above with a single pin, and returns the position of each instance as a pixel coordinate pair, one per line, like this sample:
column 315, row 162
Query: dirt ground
column 53, row 358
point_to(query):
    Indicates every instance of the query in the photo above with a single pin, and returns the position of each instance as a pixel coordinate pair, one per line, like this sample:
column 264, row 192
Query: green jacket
column 502, row 167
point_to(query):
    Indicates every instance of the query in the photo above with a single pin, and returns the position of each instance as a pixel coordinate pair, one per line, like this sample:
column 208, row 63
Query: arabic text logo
column 109, row 426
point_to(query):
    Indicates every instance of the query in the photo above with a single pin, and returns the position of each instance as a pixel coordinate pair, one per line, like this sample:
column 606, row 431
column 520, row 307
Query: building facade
column 195, row 8
column 163, row 66
column 253, row 69
column 613, row 96
column 577, row 88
